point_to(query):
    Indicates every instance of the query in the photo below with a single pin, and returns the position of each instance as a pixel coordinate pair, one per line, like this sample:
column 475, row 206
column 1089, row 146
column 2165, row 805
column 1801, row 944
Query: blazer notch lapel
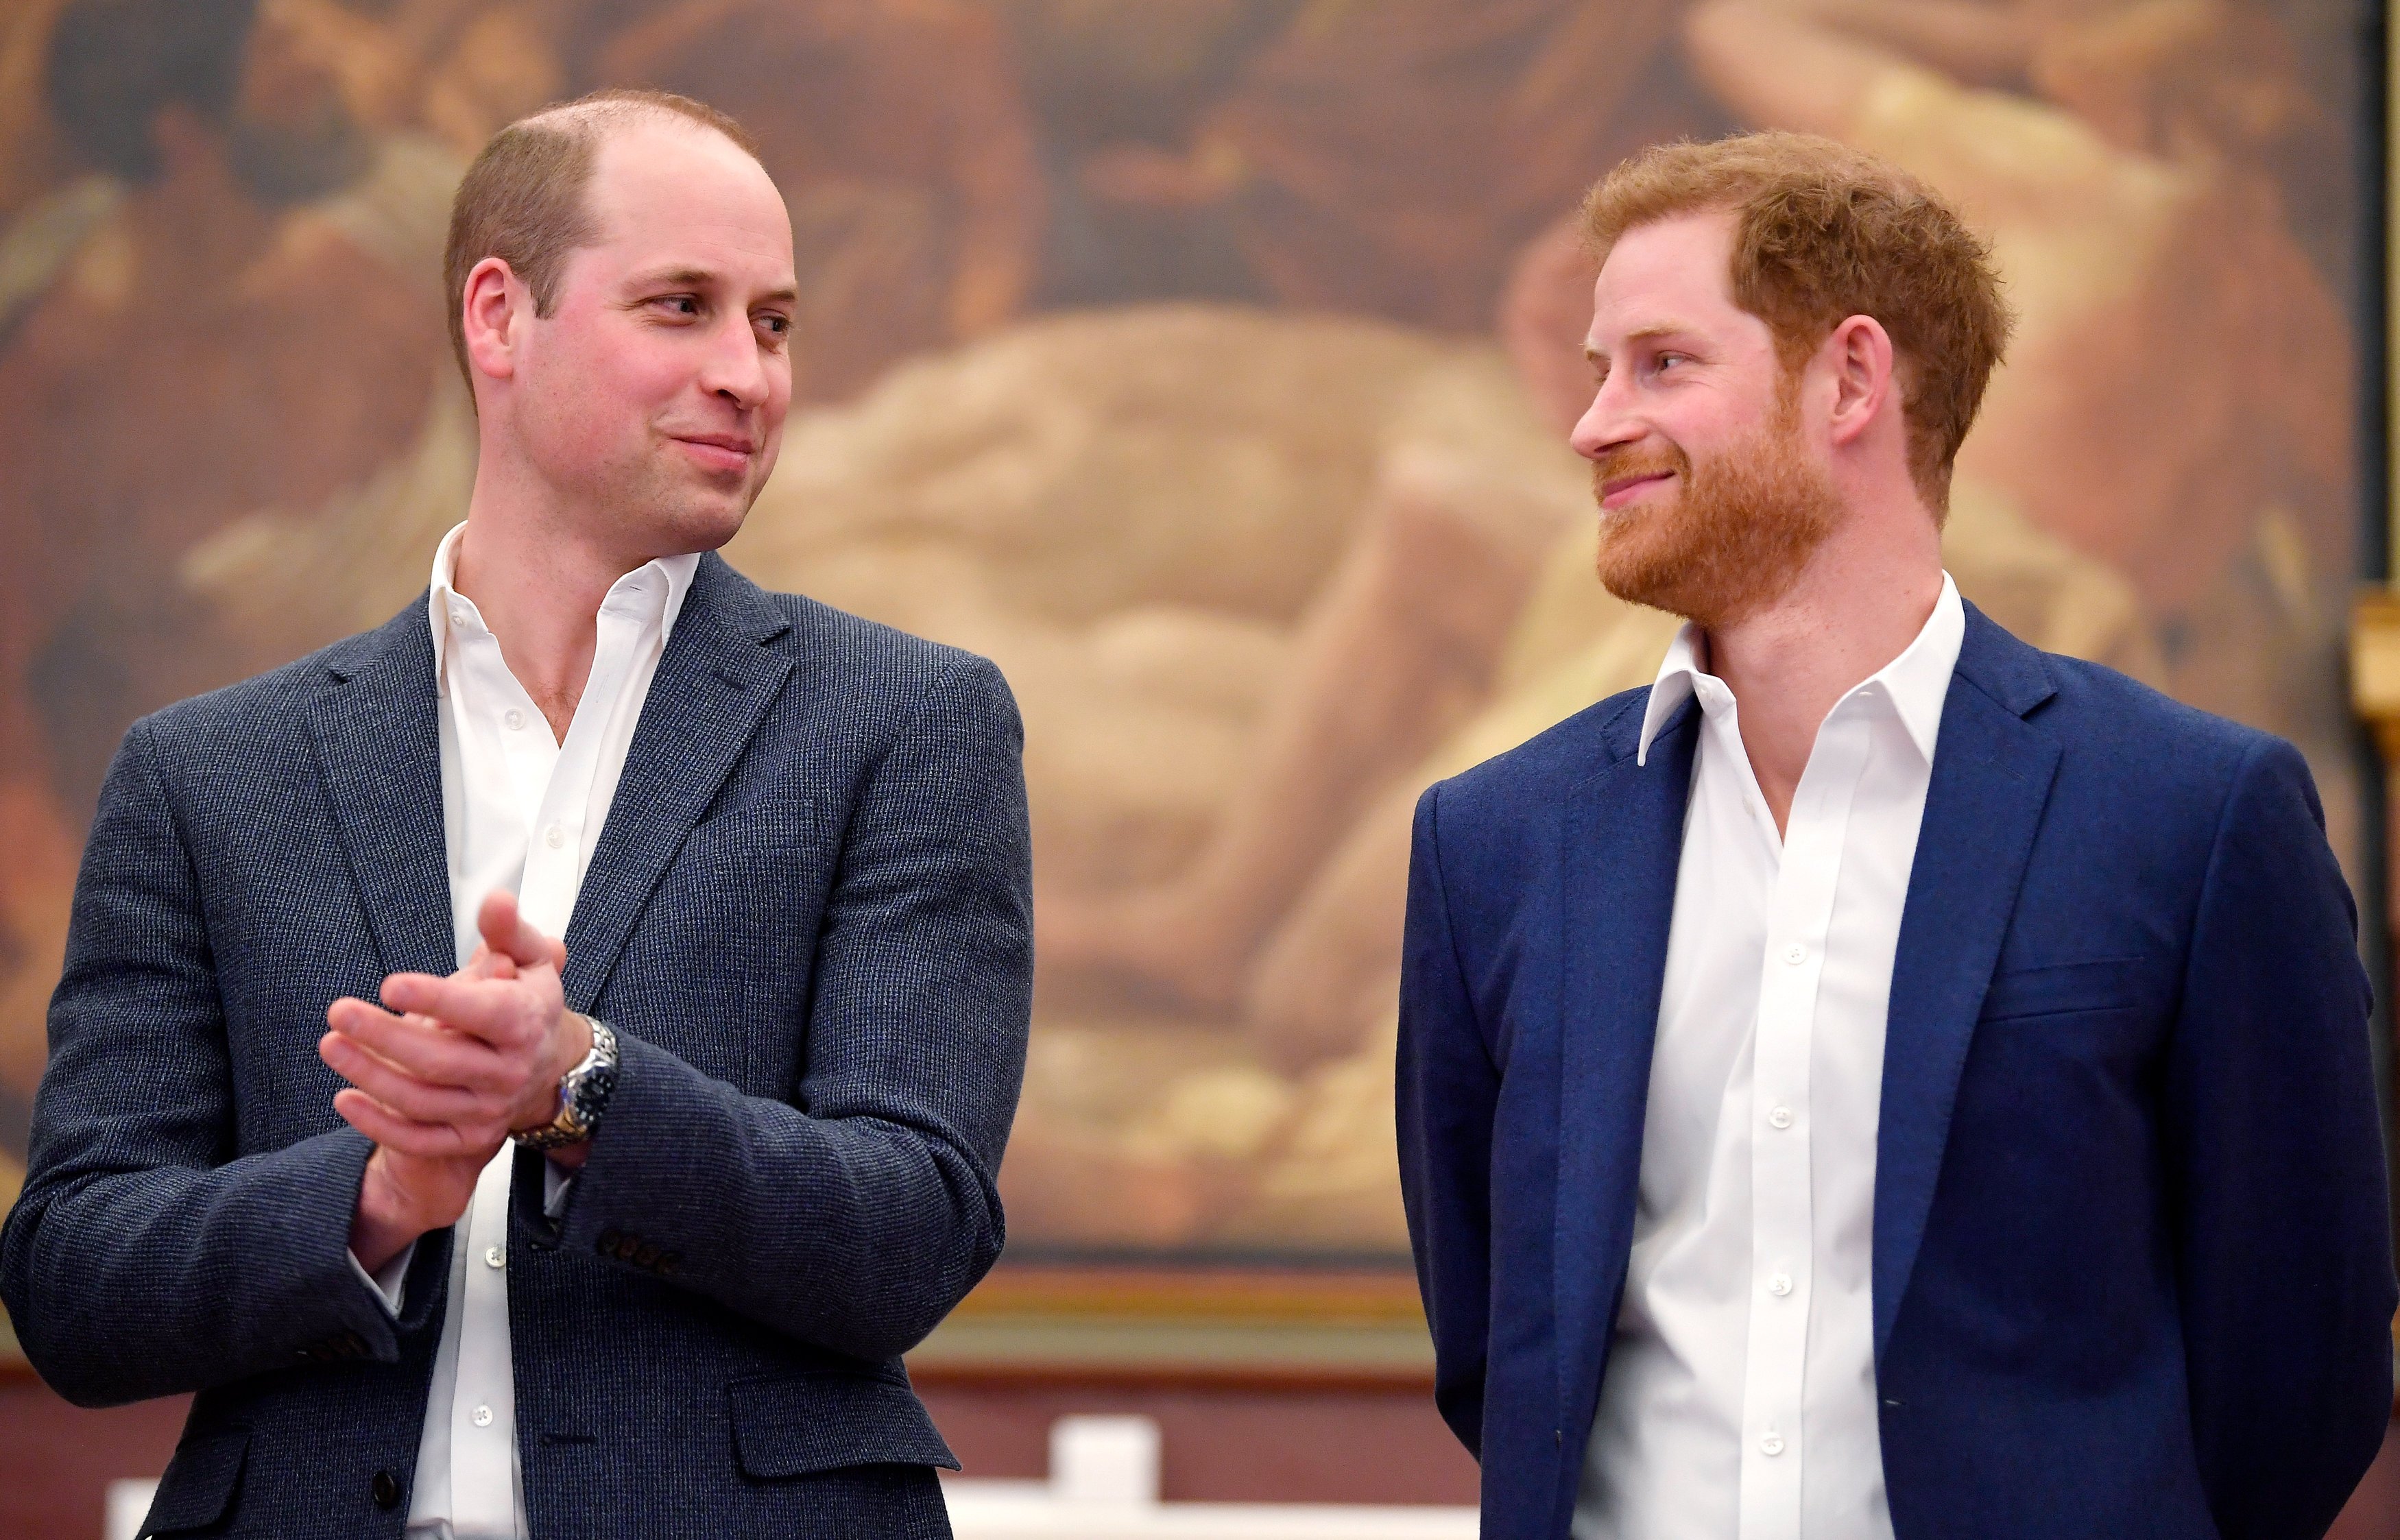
column 379, row 736
column 712, row 689
column 1992, row 775
column 1624, row 842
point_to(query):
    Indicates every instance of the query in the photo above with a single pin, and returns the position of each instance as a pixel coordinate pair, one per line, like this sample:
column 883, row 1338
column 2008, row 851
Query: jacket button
column 387, row 1491
column 646, row 1256
column 668, row 1262
column 607, row 1242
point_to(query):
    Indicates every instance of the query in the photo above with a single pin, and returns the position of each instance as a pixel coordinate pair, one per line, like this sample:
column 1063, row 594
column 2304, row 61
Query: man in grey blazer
column 672, row 936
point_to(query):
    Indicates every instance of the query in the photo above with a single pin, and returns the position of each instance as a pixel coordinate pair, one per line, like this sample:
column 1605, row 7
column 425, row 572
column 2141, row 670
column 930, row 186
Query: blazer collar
column 720, row 672
column 379, row 745
column 1623, row 833
column 378, row 737
column 1991, row 780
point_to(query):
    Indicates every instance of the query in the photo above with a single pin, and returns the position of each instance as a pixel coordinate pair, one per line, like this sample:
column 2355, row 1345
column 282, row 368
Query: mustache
column 1638, row 460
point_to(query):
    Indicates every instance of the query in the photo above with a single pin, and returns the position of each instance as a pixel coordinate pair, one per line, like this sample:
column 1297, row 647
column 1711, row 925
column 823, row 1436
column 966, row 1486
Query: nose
column 1608, row 423
column 736, row 368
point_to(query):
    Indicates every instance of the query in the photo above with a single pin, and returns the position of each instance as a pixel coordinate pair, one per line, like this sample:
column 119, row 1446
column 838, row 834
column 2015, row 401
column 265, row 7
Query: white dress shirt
column 521, row 811
column 1739, row 1398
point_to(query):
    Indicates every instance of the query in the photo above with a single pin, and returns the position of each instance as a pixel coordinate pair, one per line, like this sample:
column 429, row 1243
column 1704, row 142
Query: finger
column 493, row 1010
column 350, row 1014
column 487, row 964
column 507, row 932
column 421, row 1100
column 430, row 1052
column 409, row 1095
column 432, row 1141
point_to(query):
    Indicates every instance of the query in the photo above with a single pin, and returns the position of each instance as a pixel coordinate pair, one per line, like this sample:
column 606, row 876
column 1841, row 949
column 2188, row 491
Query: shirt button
column 515, row 719
column 1796, row 954
column 495, row 1256
column 1781, row 1117
column 1779, row 1285
column 481, row 1417
column 553, row 836
column 1771, row 1445
column 458, row 615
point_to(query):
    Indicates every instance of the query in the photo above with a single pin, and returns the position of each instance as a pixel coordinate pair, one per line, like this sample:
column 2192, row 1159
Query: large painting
column 1206, row 363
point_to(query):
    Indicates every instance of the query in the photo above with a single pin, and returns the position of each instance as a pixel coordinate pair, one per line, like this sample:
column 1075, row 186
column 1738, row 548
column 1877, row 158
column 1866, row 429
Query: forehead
column 1671, row 271
column 666, row 192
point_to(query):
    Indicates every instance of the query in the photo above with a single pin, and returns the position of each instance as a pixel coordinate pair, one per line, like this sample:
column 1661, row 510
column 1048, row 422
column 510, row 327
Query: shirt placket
column 1782, row 1220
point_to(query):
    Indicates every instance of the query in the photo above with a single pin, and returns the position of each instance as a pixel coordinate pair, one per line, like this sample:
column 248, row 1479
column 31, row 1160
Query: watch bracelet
column 583, row 1095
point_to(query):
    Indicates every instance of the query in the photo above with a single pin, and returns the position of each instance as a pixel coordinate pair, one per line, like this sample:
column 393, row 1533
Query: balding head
column 526, row 198
column 621, row 296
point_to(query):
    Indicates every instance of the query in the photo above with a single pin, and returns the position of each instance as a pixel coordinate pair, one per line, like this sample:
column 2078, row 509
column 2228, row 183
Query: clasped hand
column 446, row 1070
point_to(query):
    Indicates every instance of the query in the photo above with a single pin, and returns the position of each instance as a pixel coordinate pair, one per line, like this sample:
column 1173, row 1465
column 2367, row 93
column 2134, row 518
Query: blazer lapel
column 713, row 687
column 1992, row 773
column 379, row 745
column 1624, row 835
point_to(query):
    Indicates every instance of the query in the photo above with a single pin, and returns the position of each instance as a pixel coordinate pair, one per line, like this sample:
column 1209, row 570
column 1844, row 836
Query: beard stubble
column 1735, row 534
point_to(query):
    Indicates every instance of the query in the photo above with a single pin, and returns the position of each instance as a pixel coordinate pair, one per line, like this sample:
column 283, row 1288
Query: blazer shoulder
column 1559, row 756
column 2144, row 735
column 888, row 671
column 1519, row 788
column 237, row 717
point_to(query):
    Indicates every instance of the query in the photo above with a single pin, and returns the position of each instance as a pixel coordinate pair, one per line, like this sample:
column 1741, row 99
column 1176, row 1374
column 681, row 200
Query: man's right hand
column 407, row 1193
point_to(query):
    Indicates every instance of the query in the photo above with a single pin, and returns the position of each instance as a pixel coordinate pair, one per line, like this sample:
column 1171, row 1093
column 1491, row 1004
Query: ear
column 1859, row 357
column 493, row 308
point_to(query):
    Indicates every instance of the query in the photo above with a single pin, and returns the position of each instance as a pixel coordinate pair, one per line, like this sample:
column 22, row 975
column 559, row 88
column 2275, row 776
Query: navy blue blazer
column 2132, row 1270
column 808, row 918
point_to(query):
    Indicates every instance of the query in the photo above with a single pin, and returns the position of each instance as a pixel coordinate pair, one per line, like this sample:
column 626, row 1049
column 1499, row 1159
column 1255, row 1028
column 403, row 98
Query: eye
column 774, row 325
column 1668, row 360
column 678, row 305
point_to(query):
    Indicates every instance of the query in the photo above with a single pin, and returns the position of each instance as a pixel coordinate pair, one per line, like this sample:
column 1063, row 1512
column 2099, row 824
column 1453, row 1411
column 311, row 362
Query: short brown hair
column 522, row 199
column 1822, row 233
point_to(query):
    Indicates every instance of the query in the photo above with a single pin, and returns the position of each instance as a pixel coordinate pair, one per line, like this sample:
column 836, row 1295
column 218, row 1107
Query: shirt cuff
column 557, row 1185
column 386, row 1280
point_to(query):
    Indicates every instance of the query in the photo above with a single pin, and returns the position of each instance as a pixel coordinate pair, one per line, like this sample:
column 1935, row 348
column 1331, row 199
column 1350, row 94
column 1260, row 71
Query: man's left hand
column 488, row 1059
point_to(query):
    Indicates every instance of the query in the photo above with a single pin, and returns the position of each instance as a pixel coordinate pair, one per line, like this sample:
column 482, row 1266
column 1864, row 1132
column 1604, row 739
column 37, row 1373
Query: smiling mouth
column 1615, row 493
column 719, row 454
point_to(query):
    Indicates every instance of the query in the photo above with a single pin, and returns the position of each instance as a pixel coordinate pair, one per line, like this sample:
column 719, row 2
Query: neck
column 1861, row 600
column 538, row 582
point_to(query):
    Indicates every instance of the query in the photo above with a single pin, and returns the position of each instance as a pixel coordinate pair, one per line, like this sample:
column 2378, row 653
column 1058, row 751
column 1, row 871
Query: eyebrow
column 1651, row 332
column 701, row 278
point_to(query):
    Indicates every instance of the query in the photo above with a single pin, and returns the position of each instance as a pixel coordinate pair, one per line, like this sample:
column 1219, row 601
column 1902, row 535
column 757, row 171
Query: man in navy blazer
column 699, row 922
column 1881, row 1080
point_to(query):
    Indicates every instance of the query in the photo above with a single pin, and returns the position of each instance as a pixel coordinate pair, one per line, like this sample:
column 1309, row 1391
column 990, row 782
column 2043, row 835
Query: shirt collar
column 1916, row 682
column 632, row 594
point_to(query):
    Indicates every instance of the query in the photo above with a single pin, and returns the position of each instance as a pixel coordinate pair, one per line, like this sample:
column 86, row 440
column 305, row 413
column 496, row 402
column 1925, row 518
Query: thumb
column 506, row 933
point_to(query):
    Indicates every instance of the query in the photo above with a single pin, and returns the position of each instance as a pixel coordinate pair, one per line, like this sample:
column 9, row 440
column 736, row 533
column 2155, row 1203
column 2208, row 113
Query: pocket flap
column 796, row 1424
column 2105, row 983
column 200, row 1483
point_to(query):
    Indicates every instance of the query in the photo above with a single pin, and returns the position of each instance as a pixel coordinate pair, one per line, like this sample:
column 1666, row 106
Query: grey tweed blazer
column 808, row 919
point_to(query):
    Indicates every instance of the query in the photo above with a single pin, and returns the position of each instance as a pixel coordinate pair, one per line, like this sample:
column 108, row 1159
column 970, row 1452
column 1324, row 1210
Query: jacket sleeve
column 1448, row 1087
column 857, row 1224
column 142, row 1258
column 2276, row 1165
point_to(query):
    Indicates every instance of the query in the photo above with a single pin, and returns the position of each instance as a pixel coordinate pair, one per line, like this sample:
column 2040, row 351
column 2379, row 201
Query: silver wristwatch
column 583, row 1095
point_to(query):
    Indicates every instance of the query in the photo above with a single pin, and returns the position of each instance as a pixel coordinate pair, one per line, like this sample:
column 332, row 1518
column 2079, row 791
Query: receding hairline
column 600, row 117
column 527, row 198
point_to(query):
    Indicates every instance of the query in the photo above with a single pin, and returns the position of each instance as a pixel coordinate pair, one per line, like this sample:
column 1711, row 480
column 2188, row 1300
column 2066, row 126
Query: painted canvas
column 1206, row 363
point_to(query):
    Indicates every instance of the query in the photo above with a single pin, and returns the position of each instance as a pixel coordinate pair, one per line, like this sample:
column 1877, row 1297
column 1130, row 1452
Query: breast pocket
column 2070, row 989
column 736, row 928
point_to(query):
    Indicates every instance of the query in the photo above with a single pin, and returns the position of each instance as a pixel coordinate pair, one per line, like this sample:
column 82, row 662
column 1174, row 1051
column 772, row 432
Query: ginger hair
column 1824, row 232
column 523, row 198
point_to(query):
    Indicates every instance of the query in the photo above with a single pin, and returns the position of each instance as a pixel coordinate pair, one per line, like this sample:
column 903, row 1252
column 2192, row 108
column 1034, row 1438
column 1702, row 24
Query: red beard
column 1732, row 537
